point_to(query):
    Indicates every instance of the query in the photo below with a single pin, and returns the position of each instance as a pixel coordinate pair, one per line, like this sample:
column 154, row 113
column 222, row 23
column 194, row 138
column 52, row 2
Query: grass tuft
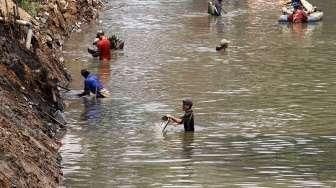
column 32, row 7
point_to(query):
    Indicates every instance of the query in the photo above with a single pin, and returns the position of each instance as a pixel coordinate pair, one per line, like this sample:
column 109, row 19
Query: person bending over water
column 187, row 119
column 93, row 84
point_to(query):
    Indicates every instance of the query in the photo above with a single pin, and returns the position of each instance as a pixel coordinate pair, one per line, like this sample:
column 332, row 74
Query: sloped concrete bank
column 30, row 82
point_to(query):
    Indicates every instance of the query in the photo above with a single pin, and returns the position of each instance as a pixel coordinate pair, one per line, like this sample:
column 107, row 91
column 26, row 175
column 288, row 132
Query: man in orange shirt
column 103, row 46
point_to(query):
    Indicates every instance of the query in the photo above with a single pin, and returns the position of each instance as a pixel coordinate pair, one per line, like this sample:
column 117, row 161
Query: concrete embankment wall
column 29, row 89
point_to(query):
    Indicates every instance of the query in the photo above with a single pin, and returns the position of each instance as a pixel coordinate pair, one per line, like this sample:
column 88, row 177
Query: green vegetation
column 31, row 6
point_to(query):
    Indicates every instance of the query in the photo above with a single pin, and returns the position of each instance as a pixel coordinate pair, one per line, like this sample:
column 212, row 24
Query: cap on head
column 188, row 102
column 85, row 73
column 224, row 42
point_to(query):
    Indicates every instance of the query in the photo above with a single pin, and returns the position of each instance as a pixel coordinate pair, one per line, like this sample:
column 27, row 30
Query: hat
column 188, row 101
column 224, row 42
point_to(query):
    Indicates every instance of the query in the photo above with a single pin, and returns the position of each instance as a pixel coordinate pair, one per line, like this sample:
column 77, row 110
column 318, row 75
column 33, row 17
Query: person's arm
column 99, row 45
column 83, row 94
column 175, row 119
column 95, row 41
column 290, row 17
column 305, row 16
column 86, row 90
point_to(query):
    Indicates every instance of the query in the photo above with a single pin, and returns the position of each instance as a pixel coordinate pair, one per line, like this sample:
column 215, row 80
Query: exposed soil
column 30, row 96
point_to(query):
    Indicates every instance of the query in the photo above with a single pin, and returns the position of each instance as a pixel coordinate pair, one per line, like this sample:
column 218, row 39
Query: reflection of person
column 104, row 72
column 299, row 15
column 188, row 118
column 92, row 84
column 187, row 141
column 299, row 30
column 92, row 110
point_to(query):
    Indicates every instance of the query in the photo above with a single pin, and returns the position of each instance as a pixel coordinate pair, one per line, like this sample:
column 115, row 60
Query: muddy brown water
column 264, row 109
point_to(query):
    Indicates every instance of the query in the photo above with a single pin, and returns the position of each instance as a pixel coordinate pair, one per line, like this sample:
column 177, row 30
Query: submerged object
column 105, row 93
column 116, row 43
column 312, row 17
column 93, row 50
column 223, row 45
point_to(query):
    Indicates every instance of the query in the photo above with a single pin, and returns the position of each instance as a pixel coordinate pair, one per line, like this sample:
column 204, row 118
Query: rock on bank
column 29, row 93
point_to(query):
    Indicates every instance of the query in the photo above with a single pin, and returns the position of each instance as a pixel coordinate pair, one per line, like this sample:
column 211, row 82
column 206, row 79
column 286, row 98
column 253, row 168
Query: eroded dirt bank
column 30, row 93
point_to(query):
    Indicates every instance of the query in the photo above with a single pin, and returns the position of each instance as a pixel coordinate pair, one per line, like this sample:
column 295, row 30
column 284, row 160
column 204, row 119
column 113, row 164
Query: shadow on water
column 263, row 109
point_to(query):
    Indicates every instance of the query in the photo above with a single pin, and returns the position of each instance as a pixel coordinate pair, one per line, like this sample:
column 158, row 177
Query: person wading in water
column 93, row 85
column 104, row 46
column 187, row 119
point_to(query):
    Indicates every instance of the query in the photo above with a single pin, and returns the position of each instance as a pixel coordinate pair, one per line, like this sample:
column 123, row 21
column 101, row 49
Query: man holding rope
column 187, row 119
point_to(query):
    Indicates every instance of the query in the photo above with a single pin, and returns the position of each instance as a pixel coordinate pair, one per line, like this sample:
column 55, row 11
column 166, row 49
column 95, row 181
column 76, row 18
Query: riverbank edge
column 31, row 81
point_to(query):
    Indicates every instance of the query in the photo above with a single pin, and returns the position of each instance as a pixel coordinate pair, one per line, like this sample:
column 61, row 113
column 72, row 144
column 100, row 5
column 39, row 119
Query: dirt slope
column 30, row 97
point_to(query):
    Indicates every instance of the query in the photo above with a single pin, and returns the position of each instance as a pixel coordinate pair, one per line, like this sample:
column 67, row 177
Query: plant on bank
column 30, row 6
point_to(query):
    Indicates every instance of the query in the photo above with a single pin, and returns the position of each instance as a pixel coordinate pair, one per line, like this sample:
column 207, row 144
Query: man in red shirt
column 298, row 16
column 104, row 46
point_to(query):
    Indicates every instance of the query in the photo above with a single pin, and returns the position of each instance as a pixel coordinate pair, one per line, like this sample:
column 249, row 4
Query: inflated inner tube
column 312, row 17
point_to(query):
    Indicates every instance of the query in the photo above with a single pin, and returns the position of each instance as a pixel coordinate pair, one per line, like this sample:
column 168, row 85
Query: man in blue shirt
column 92, row 84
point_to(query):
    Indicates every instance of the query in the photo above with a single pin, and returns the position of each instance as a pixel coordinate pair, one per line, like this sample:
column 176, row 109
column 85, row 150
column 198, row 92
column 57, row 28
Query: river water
column 264, row 109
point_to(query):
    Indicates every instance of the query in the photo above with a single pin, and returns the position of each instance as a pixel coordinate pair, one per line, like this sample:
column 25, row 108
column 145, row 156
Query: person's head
column 296, row 6
column 85, row 73
column 100, row 34
column 187, row 104
column 223, row 44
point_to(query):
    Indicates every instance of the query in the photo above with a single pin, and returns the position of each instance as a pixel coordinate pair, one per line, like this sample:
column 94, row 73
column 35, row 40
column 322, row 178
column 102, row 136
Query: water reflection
column 104, row 72
column 92, row 111
column 301, row 31
column 216, row 24
column 187, row 144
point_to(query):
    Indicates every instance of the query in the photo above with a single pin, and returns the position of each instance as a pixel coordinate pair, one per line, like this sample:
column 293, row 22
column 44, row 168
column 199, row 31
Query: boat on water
column 314, row 15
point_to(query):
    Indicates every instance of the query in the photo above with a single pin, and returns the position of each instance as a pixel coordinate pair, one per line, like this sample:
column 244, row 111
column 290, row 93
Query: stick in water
column 164, row 128
column 164, row 118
